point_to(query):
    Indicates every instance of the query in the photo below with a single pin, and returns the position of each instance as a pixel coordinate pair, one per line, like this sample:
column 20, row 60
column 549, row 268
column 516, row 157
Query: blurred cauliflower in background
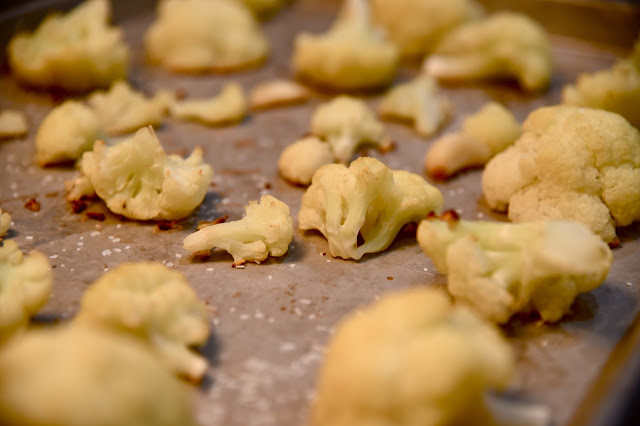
column 13, row 123
column 264, row 8
column 75, row 51
column 229, row 106
column 5, row 222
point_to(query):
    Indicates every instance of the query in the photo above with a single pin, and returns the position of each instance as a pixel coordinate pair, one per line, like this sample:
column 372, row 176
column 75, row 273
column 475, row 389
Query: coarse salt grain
column 64, row 249
column 298, row 312
column 178, row 255
column 29, row 237
column 106, row 252
column 62, row 266
column 94, row 233
column 77, row 248
column 127, row 247
column 117, row 250
column 328, row 260
column 629, row 283
column 287, row 347
column 209, row 269
column 293, row 265
column 118, row 226
column 425, row 269
column 258, row 315
column 269, row 277
column 54, row 256
column 312, row 316
column 480, row 215
column 116, row 240
column 169, row 264
column 244, row 317
column 305, row 301
column 111, row 237
column 80, row 243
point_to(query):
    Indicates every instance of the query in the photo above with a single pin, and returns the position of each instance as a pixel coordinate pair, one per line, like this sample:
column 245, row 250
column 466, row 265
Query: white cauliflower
column 503, row 268
column 76, row 51
column 300, row 160
column 229, row 106
column 77, row 376
column 26, row 282
column 351, row 55
column 367, row 200
column 417, row 101
column 205, row 35
column 416, row 26
column 13, row 123
column 484, row 134
column 346, row 123
column 266, row 229
column 154, row 303
column 569, row 164
column 124, row 110
column 506, row 44
column 68, row 131
column 138, row 180
column 616, row 89
column 275, row 93
column 411, row 359
column 5, row 222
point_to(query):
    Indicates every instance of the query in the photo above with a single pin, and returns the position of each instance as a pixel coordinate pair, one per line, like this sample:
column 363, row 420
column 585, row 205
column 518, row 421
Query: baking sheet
column 271, row 321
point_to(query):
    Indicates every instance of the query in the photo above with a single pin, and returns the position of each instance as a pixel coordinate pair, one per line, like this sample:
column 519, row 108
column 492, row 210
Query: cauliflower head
column 205, row 35
column 366, row 200
column 504, row 268
column 76, row 51
column 13, row 123
column 26, row 282
column 352, row 55
column 570, row 163
column 229, row 106
column 300, row 160
column 78, row 376
column 418, row 102
column 154, row 303
column 5, row 222
column 68, row 131
column 616, row 89
column 346, row 123
column 416, row 26
column 484, row 134
column 124, row 110
column 138, row 180
column 266, row 229
column 411, row 359
column 506, row 44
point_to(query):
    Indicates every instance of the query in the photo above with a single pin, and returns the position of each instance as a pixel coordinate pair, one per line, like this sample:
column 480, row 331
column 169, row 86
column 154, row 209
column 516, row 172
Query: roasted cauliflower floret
column 66, row 133
column 351, row 55
column 275, row 93
column 616, row 89
column 205, row 35
column 138, row 180
column 154, row 303
column 300, row 160
column 484, row 134
column 367, row 200
column 503, row 268
column 264, row 8
column 26, row 283
column 266, row 229
column 569, row 164
column 346, row 123
column 411, row 359
column 13, row 123
column 5, row 222
column 418, row 102
column 229, row 106
column 506, row 44
column 76, row 51
column 83, row 376
column 416, row 26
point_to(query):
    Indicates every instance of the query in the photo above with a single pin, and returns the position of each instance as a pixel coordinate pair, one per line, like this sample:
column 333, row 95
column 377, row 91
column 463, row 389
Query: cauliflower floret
column 82, row 376
column 229, row 106
column 150, row 301
column 76, row 51
column 506, row 44
column 351, row 55
column 266, row 229
column 66, row 133
column 616, row 89
column 300, row 160
column 13, row 123
column 366, row 200
column 484, row 134
column 205, row 35
column 411, row 359
column 503, row 268
column 346, row 123
column 25, row 286
column 418, row 102
column 416, row 26
column 138, row 180
column 573, row 164
column 264, row 8
column 5, row 222
column 275, row 93
column 124, row 110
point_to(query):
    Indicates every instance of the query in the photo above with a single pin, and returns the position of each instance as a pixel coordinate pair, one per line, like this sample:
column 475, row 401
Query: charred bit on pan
column 165, row 225
column 205, row 223
column 96, row 216
column 615, row 243
column 32, row 204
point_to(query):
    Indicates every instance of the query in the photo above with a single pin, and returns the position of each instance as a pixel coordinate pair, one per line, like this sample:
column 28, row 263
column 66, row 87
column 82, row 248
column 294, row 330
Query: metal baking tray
column 271, row 321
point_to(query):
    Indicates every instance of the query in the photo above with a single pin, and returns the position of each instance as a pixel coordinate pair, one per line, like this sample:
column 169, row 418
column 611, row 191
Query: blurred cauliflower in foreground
column 569, row 164
column 76, row 51
column 229, row 106
column 411, row 359
column 267, row 229
column 506, row 44
column 501, row 269
column 5, row 222
column 76, row 376
column 154, row 303
column 205, row 35
column 138, row 180
column 13, row 123
column 368, row 201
